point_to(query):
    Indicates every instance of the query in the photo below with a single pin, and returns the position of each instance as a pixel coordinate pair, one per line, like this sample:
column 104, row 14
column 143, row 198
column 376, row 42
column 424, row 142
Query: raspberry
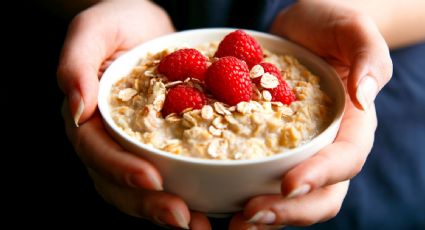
column 241, row 45
column 182, row 97
column 282, row 92
column 182, row 64
column 271, row 69
column 228, row 80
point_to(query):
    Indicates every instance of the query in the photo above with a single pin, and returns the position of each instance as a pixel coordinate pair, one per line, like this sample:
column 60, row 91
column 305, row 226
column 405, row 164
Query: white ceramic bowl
column 214, row 186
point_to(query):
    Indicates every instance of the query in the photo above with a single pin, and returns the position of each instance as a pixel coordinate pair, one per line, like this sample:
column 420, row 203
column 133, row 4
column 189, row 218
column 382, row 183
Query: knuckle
column 356, row 170
column 255, row 202
column 358, row 18
column 323, row 161
column 296, row 218
column 359, row 160
column 82, row 18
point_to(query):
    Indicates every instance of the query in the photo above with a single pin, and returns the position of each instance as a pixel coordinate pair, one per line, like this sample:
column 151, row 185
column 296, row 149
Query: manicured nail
column 263, row 217
column 180, row 219
column 366, row 91
column 75, row 97
column 301, row 190
column 156, row 183
column 142, row 181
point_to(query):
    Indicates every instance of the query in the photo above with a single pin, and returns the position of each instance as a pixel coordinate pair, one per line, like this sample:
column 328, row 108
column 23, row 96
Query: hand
column 350, row 41
column 95, row 37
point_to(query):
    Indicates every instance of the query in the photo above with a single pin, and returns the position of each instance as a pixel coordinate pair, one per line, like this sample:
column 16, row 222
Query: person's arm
column 400, row 22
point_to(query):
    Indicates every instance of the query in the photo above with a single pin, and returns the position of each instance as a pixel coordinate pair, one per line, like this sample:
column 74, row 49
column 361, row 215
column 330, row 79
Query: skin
column 350, row 37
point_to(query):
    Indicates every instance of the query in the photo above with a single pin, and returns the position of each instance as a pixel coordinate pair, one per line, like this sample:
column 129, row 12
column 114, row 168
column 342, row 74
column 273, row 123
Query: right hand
column 95, row 37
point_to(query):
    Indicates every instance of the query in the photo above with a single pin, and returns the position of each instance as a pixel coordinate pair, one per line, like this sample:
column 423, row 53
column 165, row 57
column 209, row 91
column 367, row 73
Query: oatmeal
column 212, row 129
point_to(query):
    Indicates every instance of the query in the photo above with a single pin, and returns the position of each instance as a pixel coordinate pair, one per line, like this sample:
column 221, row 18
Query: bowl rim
column 104, row 105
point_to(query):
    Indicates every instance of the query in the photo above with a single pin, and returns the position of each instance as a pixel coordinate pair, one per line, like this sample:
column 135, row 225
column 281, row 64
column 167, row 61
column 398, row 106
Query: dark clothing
column 389, row 192
column 191, row 14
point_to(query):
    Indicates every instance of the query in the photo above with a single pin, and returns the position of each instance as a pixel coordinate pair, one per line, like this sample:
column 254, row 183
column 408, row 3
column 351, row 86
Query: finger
column 160, row 207
column 199, row 221
column 87, row 45
column 318, row 206
column 371, row 65
column 337, row 162
column 101, row 153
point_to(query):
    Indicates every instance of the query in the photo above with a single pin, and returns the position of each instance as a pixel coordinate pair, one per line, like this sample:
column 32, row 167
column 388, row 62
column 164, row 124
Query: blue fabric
column 389, row 193
column 255, row 14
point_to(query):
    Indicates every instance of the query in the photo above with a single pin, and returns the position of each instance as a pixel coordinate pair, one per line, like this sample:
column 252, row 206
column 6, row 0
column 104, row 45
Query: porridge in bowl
column 224, row 100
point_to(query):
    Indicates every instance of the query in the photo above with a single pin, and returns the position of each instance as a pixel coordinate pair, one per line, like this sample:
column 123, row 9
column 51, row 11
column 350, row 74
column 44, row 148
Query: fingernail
column 144, row 180
column 366, row 91
column 180, row 219
column 301, row 190
column 156, row 183
column 263, row 217
column 74, row 98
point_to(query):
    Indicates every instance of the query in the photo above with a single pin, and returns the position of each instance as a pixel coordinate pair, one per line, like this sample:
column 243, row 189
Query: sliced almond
column 256, row 71
column 172, row 118
column 269, row 81
column 189, row 120
column 243, row 107
column 220, row 109
column 218, row 123
column 214, row 131
column 267, row 96
column 207, row 112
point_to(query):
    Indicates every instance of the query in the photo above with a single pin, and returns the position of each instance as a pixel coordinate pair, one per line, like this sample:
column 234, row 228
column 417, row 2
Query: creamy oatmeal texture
column 248, row 130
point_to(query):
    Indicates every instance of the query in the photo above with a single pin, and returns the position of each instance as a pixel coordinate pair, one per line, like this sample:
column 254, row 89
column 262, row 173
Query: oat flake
column 126, row 94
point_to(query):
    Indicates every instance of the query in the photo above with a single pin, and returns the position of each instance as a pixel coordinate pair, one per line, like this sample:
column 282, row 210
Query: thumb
column 371, row 67
column 83, row 52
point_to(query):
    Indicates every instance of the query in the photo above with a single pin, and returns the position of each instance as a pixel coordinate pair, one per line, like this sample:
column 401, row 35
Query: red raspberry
column 182, row 64
column 241, row 45
column 182, row 97
column 271, row 69
column 268, row 68
column 228, row 80
column 282, row 92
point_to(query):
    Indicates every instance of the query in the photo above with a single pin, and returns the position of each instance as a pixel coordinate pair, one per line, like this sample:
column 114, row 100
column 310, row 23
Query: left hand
column 350, row 41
